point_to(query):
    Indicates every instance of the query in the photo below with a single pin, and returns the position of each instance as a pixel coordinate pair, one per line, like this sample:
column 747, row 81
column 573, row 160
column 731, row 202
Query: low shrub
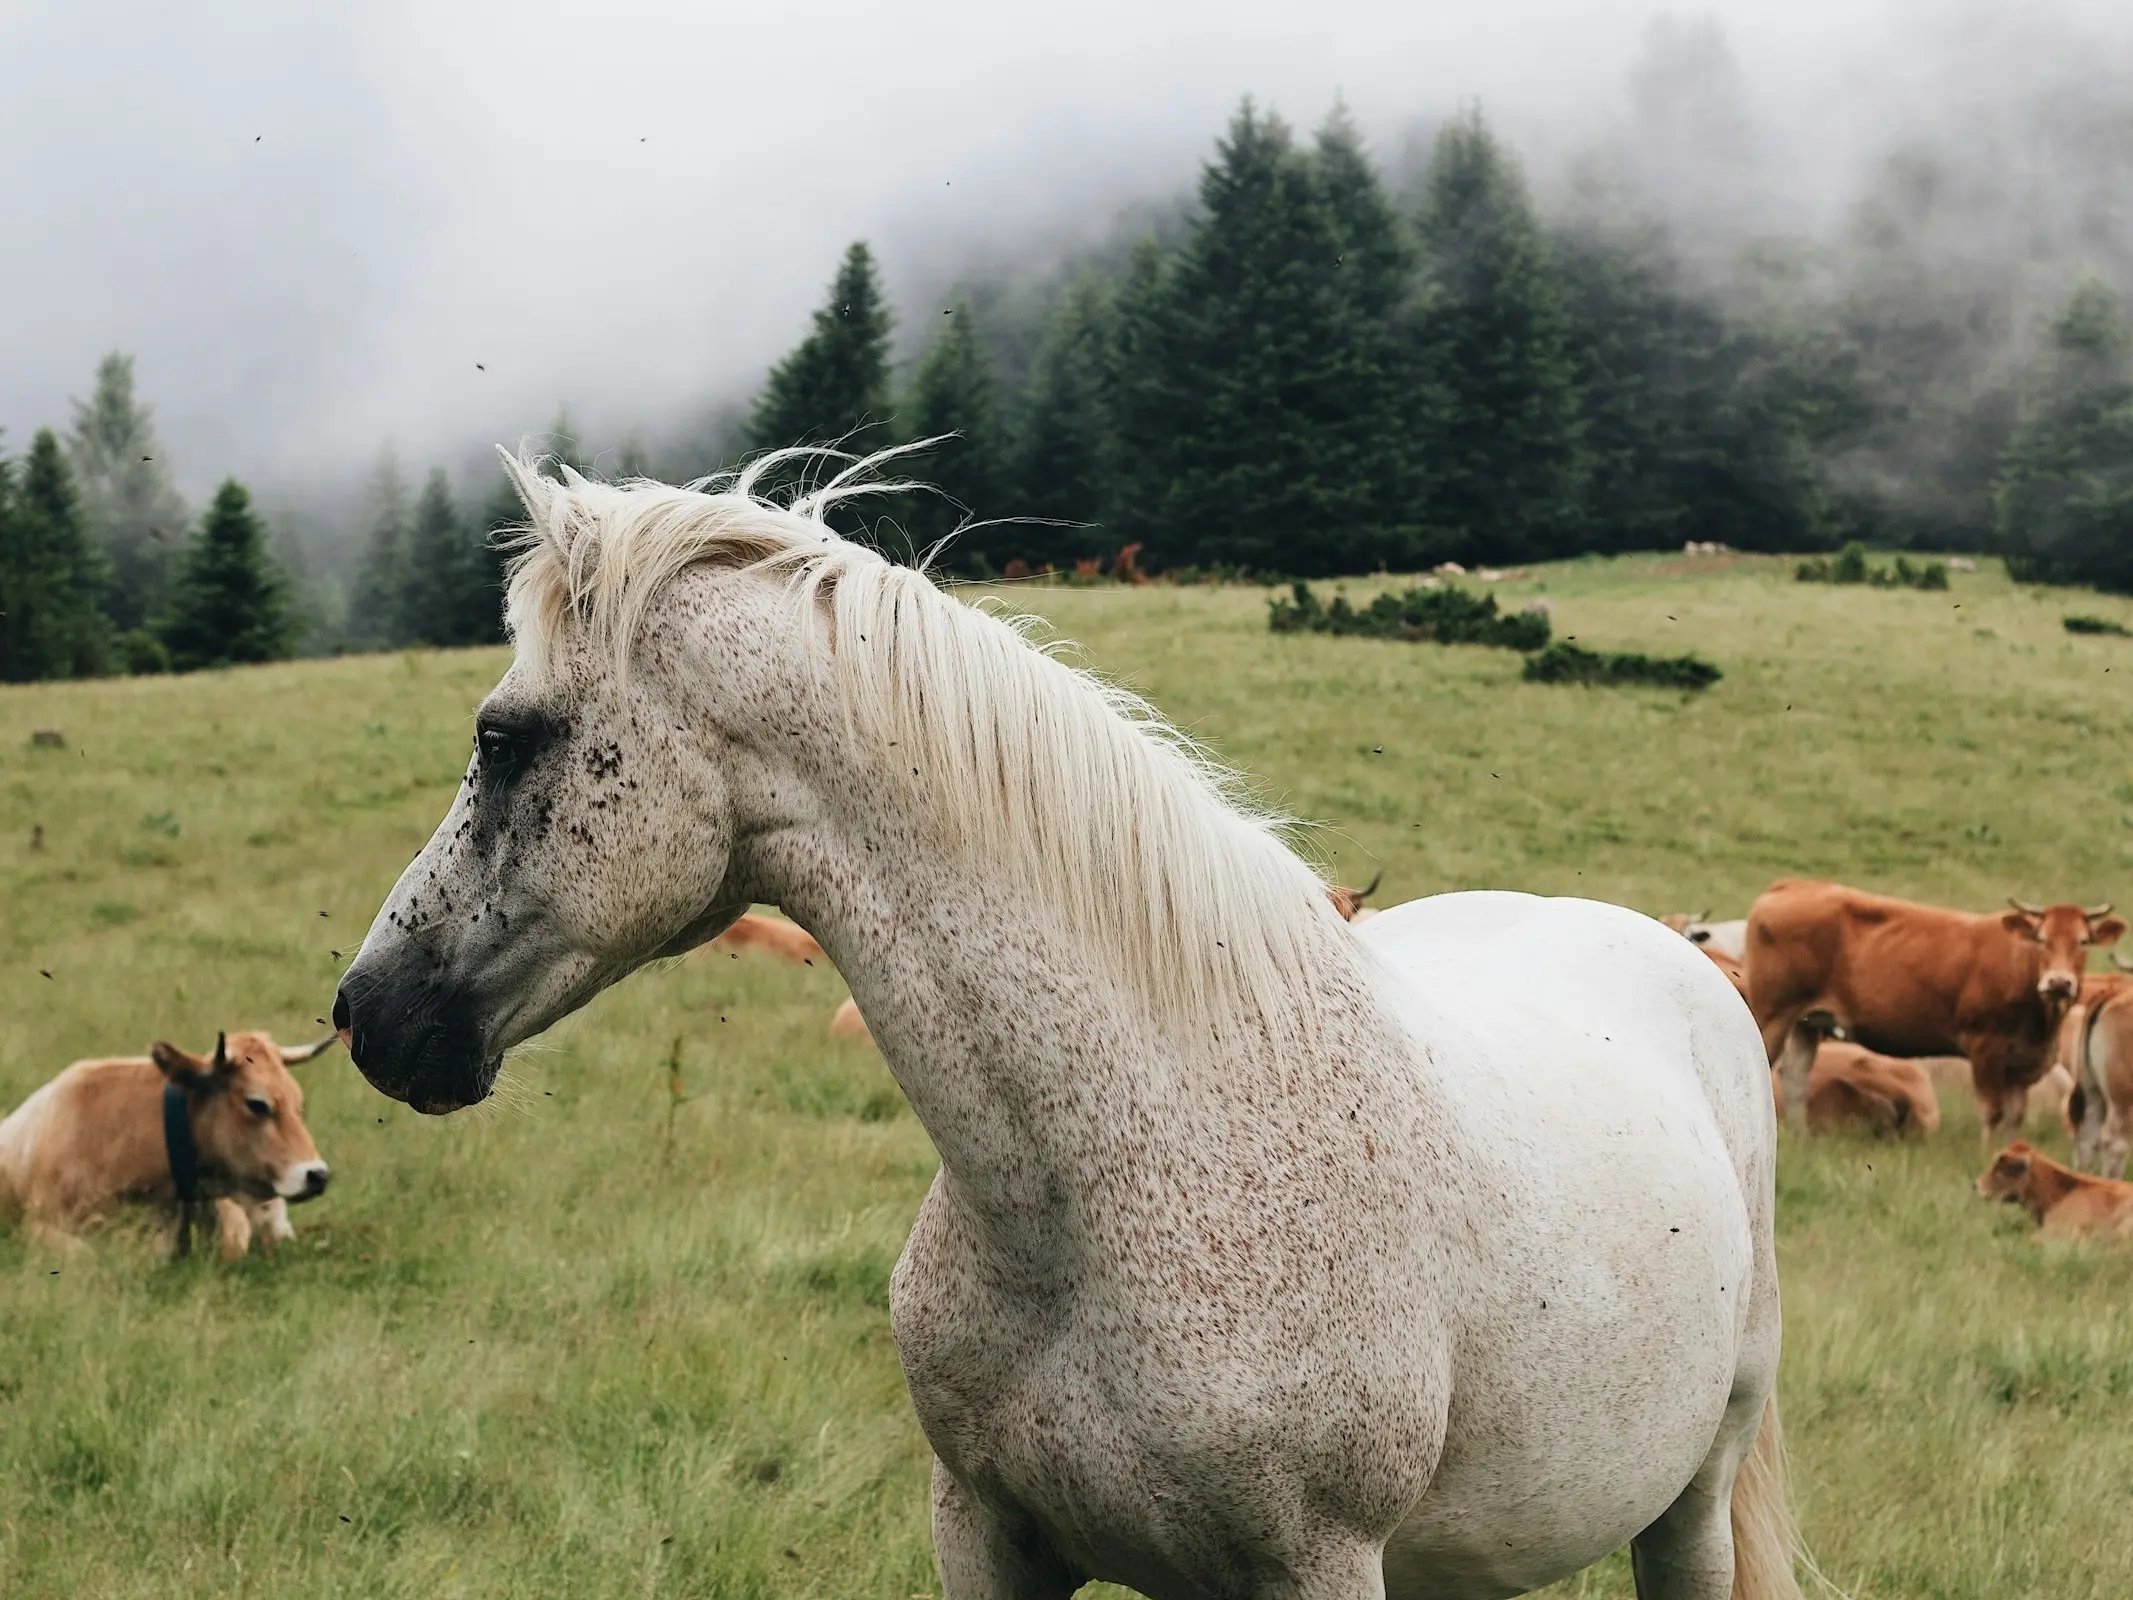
column 1563, row 662
column 1850, row 565
column 2097, row 625
column 1446, row 615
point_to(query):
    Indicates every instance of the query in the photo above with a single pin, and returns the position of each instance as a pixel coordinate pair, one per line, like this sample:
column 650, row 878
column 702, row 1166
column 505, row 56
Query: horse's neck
column 1026, row 1059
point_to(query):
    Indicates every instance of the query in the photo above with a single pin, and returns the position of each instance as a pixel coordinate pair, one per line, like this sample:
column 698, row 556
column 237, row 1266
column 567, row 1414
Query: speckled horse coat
column 1268, row 1256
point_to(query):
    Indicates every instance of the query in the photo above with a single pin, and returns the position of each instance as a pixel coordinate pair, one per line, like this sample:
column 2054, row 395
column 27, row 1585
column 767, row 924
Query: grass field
column 587, row 1344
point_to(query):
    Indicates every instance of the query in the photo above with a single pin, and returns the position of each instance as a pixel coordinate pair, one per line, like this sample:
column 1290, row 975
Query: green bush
column 1849, row 565
column 2096, row 625
column 141, row 651
column 1447, row 615
column 1563, row 662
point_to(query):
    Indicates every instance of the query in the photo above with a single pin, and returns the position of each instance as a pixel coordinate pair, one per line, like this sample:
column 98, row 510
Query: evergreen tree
column 228, row 603
column 1064, row 463
column 1686, row 433
column 439, row 568
column 377, row 609
column 1373, row 481
column 71, row 576
column 1499, row 437
column 481, row 594
column 836, row 382
column 130, row 508
column 1240, row 362
column 566, row 446
column 1135, row 391
column 2065, row 493
column 633, row 460
column 952, row 393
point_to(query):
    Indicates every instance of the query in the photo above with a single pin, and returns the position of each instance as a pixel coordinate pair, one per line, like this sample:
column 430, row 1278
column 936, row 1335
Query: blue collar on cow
column 184, row 1159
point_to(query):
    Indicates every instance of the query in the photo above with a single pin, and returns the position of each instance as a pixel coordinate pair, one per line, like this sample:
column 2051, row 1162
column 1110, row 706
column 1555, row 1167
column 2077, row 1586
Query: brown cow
column 2064, row 1203
column 1349, row 902
column 786, row 940
column 1853, row 1087
column 2096, row 1044
column 847, row 1023
column 1913, row 980
column 92, row 1140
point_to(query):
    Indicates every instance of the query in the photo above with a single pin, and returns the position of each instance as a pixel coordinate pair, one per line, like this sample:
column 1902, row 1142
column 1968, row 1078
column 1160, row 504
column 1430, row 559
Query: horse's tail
column 1765, row 1538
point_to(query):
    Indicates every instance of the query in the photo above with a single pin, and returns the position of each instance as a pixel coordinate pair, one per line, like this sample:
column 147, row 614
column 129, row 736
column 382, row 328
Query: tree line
column 102, row 568
column 1320, row 379
column 1319, row 373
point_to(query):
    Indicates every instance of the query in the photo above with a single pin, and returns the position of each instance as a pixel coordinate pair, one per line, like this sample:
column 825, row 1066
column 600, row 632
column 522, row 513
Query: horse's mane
column 1079, row 790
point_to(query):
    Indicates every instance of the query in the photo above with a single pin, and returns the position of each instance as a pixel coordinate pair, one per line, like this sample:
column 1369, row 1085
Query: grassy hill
column 585, row 1342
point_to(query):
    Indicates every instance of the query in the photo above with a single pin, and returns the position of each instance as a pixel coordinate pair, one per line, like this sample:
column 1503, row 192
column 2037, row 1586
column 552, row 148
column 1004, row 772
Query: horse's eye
column 499, row 749
column 258, row 1107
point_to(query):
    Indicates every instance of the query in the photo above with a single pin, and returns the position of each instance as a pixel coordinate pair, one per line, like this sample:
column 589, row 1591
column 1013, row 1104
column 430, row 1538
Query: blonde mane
column 1077, row 789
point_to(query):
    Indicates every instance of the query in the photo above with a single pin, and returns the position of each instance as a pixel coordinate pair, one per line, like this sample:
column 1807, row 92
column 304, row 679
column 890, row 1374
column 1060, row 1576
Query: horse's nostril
column 340, row 1012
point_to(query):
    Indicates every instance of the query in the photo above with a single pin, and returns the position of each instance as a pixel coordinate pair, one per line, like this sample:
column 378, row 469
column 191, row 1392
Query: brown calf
column 1349, row 902
column 92, row 1140
column 2064, row 1203
column 1852, row 1087
column 1912, row 980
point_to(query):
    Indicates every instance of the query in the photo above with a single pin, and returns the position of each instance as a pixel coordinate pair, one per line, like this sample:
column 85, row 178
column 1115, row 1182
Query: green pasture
column 589, row 1342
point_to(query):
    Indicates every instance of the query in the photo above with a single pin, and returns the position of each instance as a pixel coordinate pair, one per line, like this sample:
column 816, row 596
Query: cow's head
column 2012, row 1175
column 2066, row 933
column 248, row 1117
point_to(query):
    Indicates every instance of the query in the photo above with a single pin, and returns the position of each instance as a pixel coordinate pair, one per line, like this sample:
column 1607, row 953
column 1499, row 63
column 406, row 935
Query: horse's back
column 1615, row 1141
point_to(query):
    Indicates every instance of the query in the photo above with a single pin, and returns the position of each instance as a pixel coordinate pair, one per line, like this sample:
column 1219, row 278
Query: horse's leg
column 982, row 1558
column 1688, row 1553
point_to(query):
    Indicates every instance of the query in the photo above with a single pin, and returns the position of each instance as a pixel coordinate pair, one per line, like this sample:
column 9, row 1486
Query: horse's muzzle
column 414, row 1038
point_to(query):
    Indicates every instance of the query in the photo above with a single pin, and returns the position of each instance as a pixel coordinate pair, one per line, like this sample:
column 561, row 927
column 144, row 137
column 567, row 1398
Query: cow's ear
column 2107, row 930
column 2020, row 922
column 186, row 1071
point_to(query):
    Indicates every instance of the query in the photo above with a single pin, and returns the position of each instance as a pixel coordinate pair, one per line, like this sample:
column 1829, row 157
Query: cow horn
column 222, row 1051
column 305, row 1052
column 2026, row 909
column 1378, row 877
column 2120, row 962
column 2094, row 912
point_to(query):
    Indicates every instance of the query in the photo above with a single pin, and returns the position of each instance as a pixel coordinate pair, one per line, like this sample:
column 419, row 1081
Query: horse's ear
column 186, row 1071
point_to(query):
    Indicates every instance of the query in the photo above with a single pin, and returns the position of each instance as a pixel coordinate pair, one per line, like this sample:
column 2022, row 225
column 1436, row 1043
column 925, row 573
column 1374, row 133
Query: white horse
column 1268, row 1257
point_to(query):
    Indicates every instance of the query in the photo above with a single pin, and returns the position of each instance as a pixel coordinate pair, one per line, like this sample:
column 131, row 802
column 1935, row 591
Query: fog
column 318, row 229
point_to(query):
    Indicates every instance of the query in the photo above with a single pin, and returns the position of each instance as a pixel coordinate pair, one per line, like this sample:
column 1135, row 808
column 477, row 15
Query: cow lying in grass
column 1851, row 1087
column 2064, row 1203
column 140, row 1130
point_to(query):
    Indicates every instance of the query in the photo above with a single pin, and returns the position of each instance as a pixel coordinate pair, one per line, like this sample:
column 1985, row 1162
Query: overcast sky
column 315, row 225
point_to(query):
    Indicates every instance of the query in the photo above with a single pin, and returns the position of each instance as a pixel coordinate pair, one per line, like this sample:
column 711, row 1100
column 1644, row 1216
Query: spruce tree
column 439, row 567
column 952, row 393
column 835, row 385
column 1064, row 465
column 228, row 603
column 481, row 592
column 2064, row 498
column 1685, row 435
column 1136, row 396
column 1372, row 477
column 131, row 509
column 1238, row 371
column 72, row 637
column 377, row 610
column 1499, row 434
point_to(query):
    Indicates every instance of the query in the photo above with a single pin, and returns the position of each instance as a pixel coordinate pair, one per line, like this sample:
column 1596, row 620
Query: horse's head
column 595, row 827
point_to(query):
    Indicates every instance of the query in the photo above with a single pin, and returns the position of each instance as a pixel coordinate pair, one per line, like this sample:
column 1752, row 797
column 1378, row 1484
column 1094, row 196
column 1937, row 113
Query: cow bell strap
column 184, row 1160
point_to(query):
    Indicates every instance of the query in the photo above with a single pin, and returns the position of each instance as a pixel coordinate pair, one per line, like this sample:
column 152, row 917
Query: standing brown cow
column 1912, row 980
